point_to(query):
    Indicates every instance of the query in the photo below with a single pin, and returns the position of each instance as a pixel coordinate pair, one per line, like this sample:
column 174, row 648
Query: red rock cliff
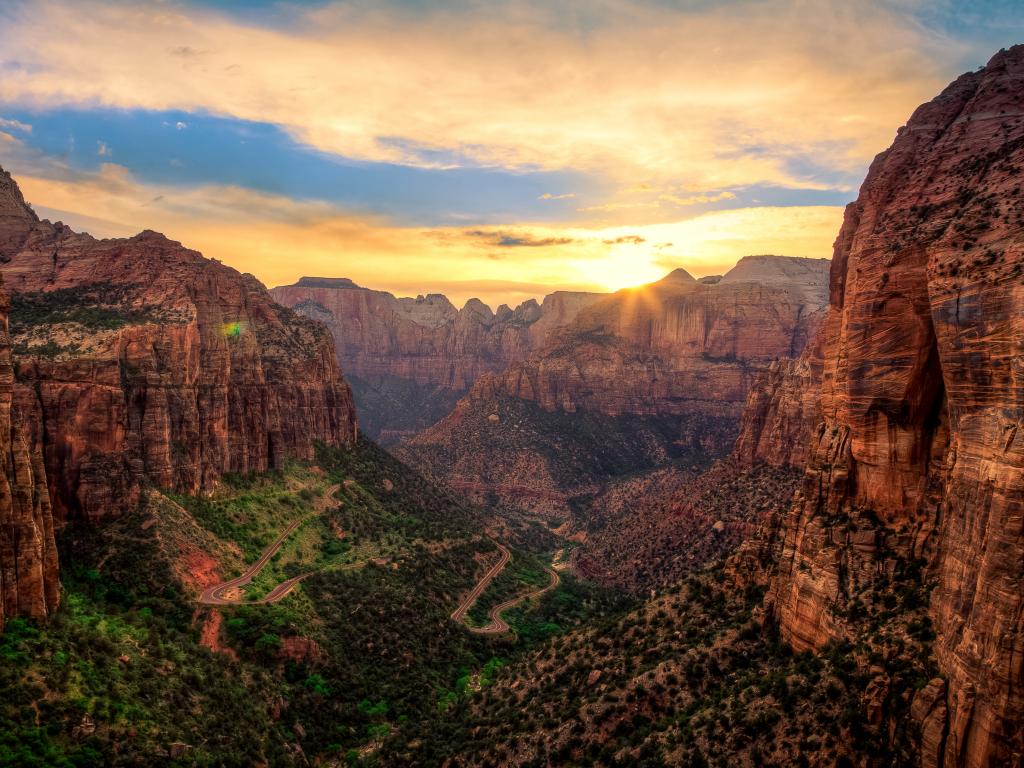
column 426, row 339
column 29, row 584
column 152, row 363
column 639, row 379
column 677, row 346
column 922, row 409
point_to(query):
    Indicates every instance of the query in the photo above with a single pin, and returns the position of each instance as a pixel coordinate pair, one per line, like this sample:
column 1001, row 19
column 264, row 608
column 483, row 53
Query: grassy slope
column 353, row 657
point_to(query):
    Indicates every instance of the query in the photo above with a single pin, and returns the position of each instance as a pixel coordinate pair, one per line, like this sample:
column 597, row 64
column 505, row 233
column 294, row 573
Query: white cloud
column 15, row 125
column 102, row 149
column 712, row 98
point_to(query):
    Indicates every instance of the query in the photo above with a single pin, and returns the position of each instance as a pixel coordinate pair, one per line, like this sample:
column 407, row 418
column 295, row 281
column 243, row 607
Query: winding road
column 498, row 625
column 459, row 613
column 215, row 595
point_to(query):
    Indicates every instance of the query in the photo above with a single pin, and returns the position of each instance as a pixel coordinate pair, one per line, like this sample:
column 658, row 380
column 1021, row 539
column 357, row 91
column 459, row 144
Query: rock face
column 409, row 360
column 920, row 449
column 29, row 584
column 781, row 415
column 660, row 372
column 150, row 363
column 674, row 347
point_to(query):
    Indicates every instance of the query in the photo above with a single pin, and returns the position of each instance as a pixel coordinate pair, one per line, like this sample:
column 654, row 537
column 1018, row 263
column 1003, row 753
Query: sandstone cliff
column 410, row 359
column 919, row 455
column 674, row 347
column 150, row 363
column 29, row 584
column 640, row 378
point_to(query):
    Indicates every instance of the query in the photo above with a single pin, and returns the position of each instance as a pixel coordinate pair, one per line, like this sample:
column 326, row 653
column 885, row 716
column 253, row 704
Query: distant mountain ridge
column 679, row 355
column 410, row 359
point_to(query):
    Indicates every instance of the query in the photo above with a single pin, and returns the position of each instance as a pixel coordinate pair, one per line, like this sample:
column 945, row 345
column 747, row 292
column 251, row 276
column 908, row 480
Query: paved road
column 460, row 612
column 498, row 625
column 215, row 595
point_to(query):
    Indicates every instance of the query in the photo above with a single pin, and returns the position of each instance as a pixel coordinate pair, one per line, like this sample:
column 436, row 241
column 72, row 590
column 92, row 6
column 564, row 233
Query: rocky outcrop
column 29, row 584
column 409, row 359
column 150, row 363
column 919, row 455
column 643, row 377
column 780, row 416
column 678, row 346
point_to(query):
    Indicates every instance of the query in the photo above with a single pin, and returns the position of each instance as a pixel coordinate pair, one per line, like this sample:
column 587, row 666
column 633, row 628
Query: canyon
column 409, row 360
column 785, row 503
column 641, row 378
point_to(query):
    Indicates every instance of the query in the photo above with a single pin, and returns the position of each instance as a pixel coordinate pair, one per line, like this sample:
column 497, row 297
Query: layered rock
column 674, row 347
column 780, row 416
column 29, row 584
column 410, row 359
column 153, row 364
column 920, row 451
column 660, row 371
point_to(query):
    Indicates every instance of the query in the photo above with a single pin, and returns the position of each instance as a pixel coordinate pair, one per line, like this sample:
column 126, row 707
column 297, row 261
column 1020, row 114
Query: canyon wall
column 150, row 363
column 410, row 359
column 918, row 456
column 29, row 585
column 641, row 378
column 674, row 347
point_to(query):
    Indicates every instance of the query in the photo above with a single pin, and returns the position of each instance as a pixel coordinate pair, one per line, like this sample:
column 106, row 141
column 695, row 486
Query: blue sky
column 400, row 123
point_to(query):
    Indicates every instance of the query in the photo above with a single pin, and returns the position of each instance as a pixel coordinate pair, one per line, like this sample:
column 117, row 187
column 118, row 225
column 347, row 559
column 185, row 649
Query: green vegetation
column 524, row 573
column 352, row 660
column 96, row 306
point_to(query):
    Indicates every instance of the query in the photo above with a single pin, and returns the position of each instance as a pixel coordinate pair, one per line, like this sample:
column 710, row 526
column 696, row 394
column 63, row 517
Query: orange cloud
column 708, row 97
column 279, row 239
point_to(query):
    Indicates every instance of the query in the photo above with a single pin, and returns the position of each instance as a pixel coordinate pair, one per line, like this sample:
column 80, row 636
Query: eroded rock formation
column 919, row 454
column 641, row 377
column 153, row 364
column 410, row 359
column 29, row 584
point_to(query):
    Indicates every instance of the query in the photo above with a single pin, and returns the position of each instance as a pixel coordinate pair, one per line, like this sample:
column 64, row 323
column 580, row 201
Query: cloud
column 15, row 125
column 697, row 199
column 549, row 196
column 507, row 239
column 102, row 149
column 180, row 125
column 708, row 96
column 279, row 239
column 631, row 239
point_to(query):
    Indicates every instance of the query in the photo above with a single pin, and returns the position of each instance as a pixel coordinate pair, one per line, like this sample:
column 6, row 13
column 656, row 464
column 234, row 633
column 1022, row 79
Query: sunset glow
column 498, row 153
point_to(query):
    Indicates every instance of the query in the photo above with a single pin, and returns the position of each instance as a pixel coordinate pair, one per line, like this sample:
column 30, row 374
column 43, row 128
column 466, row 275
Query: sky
column 498, row 150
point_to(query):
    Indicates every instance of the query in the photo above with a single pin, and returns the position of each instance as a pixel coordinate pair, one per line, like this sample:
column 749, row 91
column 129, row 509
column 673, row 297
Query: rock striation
column 919, row 451
column 410, row 359
column 29, row 584
column 426, row 339
column 661, row 372
column 152, row 364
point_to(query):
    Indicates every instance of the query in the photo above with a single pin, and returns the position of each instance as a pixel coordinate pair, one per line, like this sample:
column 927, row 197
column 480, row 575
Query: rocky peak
column 16, row 217
column 809, row 276
column 677, row 276
column 478, row 311
column 326, row 282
